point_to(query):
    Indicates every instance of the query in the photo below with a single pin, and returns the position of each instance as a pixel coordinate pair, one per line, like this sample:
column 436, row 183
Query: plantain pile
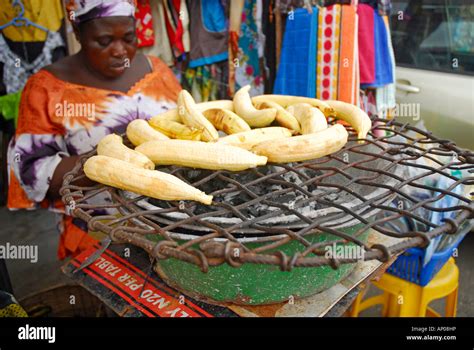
column 266, row 128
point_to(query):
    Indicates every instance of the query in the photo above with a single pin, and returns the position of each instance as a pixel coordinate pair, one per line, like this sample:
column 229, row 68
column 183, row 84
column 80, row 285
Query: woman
column 67, row 108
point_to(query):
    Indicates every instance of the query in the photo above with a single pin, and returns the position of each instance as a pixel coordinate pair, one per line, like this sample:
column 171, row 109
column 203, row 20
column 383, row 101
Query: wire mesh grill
column 366, row 185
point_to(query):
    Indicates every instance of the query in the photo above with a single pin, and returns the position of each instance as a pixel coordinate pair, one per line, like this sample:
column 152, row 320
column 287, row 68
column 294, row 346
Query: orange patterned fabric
column 59, row 119
column 347, row 88
column 73, row 240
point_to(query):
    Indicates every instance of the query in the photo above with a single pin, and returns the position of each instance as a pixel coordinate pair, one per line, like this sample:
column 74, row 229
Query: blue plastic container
column 409, row 265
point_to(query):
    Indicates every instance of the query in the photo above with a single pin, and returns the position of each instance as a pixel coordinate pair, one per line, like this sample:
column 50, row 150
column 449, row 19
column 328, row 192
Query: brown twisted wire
column 210, row 252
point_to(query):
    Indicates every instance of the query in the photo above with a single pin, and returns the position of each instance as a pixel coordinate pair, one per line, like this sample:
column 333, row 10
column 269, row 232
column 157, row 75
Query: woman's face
column 109, row 44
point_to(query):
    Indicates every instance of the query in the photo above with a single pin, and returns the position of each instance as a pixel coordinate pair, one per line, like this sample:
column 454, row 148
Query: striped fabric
column 329, row 25
column 297, row 72
column 336, row 76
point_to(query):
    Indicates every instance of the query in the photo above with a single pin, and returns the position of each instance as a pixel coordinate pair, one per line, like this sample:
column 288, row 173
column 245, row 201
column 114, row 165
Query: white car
column 433, row 42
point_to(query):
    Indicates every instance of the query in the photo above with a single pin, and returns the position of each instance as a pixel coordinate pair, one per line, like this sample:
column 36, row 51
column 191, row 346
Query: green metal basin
column 254, row 284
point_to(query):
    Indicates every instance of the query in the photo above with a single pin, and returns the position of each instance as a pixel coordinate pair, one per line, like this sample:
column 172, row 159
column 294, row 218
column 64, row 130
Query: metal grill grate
column 366, row 185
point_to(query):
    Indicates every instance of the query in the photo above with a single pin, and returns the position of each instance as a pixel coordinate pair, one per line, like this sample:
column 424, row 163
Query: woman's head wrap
column 83, row 10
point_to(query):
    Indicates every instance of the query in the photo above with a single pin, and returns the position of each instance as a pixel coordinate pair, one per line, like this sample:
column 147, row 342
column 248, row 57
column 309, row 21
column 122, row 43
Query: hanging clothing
column 177, row 26
column 383, row 62
column 278, row 34
column 297, row 70
column 235, row 21
column 284, row 6
column 248, row 71
column 369, row 105
column 209, row 35
column 385, row 96
column 336, row 72
column 269, row 30
column 162, row 47
column 348, row 84
column 9, row 106
column 259, row 28
column 207, row 83
column 185, row 20
column 329, row 30
column 16, row 70
column 144, row 20
column 60, row 119
column 48, row 14
column 357, row 71
column 336, row 58
column 368, row 102
column 366, row 43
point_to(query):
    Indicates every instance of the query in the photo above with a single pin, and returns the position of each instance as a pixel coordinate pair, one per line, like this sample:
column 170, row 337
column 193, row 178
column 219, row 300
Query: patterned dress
column 59, row 119
column 250, row 49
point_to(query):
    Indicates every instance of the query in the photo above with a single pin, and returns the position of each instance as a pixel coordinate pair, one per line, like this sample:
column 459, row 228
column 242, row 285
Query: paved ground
column 38, row 228
column 32, row 228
